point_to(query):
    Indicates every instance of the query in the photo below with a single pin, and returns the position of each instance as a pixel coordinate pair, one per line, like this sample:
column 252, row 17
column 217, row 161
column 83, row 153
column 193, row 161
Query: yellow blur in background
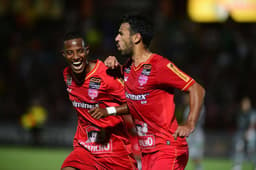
column 220, row 10
column 35, row 117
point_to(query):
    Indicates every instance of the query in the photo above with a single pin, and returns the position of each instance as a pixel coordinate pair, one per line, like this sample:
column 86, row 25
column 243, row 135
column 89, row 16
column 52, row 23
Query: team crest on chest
column 94, row 86
column 68, row 83
column 127, row 71
column 143, row 78
column 69, row 80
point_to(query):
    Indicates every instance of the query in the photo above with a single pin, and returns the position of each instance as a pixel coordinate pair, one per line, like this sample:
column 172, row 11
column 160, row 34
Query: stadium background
column 220, row 55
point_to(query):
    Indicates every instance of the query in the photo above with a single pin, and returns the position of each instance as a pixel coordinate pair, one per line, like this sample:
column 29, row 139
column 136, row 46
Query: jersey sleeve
column 64, row 73
column 116, row 90
column 169, row 75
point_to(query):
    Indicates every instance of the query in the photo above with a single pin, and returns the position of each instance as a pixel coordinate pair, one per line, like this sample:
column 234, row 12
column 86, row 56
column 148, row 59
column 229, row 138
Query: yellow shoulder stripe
column 177, row 71
column 187, row 84
column 121, row 81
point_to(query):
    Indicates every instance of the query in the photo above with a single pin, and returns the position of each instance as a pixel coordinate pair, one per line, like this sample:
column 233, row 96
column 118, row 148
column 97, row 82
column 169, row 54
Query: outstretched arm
column 196, row 98
column 98, row 113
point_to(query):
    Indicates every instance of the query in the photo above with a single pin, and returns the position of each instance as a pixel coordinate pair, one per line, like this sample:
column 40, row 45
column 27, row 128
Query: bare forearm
column 122, row 109
column 196, row 96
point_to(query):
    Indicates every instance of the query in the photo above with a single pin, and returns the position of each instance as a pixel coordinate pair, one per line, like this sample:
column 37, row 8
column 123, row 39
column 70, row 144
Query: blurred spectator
column 245, row 137
column 34, row 120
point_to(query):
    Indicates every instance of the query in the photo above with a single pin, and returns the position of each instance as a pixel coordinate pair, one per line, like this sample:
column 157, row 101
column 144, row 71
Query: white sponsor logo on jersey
column 145, row 139
column 91, row 142
column 84, row 105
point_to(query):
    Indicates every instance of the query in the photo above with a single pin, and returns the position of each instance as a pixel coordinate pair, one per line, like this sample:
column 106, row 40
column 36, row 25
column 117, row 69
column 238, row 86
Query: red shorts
column 165, row 160
column 82, row 159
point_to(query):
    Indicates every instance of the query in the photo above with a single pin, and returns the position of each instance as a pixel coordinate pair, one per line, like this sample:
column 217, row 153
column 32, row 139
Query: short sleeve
column 116, row 90
column 171, row 76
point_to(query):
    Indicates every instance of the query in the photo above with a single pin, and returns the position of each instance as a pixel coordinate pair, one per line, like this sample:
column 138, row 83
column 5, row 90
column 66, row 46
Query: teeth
column 77, row 63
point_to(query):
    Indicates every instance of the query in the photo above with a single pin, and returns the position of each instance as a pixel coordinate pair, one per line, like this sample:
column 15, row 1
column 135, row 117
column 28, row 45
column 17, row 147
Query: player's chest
column 140, row 79
column 91, row 90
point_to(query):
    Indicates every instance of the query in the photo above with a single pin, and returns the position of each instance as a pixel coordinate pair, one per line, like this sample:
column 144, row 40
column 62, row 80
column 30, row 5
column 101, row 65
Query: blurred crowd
column 221, row 56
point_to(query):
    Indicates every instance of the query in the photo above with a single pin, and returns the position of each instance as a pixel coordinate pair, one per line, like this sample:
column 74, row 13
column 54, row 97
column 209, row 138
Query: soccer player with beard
column 98, row 144
column 150, row 80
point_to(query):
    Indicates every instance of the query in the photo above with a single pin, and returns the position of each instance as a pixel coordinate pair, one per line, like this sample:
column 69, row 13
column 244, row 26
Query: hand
column 111, row 62
column 183, row 130
column 98, row 113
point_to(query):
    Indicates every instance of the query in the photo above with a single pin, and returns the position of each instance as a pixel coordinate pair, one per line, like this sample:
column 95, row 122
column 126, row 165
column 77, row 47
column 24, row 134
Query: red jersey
column 98, row 90
column 149, row 91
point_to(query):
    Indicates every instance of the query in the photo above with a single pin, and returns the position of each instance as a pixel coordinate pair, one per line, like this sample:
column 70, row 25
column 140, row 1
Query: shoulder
column 66, row 71
column 100, row 66
column 112, row 79
column 97, row 67
column 100, row 71
column 159, row 61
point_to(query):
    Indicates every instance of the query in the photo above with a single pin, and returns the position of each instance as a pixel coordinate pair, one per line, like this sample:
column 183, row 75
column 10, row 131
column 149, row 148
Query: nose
column 117, row 38
column 75, row 56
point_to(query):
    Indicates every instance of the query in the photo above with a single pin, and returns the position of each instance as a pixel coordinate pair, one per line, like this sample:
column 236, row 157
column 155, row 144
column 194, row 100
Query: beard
column 128, row 51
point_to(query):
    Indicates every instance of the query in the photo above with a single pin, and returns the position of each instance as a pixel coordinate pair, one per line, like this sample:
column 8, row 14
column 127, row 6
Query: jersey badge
column 94, row 85
column 68, row 83
column 143, row 78
column 69, row 80
column 127, row 71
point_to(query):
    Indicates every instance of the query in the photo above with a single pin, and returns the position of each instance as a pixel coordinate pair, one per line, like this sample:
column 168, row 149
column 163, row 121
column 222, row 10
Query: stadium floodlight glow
column 220, row 10
column 206, row 11
column 243, row 10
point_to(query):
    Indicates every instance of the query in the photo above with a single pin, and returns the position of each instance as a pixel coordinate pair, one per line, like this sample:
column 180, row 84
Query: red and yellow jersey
column 97, row 90
column 149, row 91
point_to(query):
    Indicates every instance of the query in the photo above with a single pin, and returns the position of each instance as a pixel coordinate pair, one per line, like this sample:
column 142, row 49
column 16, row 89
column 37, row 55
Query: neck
column 140, row 55
column 79, row 78
column 90, row 66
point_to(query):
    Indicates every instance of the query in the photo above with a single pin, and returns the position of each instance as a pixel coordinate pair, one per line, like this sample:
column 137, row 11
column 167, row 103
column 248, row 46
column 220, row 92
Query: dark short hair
column 139, row 23
column 72, row 35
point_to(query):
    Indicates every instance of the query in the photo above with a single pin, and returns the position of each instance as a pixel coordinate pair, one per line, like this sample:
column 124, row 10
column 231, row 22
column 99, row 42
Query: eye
column 81, row 50
column 69, row 52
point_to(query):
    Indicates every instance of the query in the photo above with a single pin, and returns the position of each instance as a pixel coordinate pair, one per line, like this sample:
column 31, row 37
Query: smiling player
column 98, row 144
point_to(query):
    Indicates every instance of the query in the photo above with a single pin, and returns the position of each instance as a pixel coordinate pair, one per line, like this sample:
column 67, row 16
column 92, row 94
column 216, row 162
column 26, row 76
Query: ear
column 137, row 38
column 63, row 53
column 87, row 50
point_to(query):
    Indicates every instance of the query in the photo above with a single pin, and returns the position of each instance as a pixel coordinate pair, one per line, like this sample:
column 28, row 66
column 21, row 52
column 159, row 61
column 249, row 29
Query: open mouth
column 118, row 46
column 77, row 65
